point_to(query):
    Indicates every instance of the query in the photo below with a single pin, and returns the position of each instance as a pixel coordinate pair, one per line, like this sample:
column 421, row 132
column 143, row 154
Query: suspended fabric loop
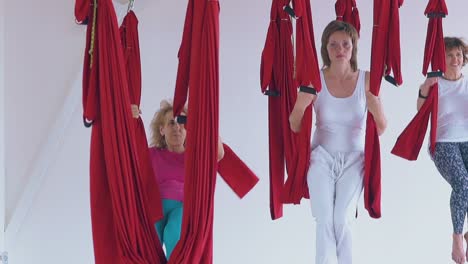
column 307, row 74
column 199, row 69
column 288, row 150
column 385, row 57
column 82, row 11
column 347, row 11
column 122, row 221
column 409, row 143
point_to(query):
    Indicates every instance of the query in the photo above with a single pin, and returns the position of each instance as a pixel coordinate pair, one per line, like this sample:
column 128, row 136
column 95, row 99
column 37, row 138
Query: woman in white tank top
column 335, row 176
column 451, row 147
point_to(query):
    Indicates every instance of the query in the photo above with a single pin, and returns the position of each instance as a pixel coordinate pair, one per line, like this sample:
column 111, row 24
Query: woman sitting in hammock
column 451, row 148
column 167, row 147
column 336, row 172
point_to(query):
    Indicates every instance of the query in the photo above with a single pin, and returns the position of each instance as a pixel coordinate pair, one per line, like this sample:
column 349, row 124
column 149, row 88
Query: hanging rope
column 93, row 33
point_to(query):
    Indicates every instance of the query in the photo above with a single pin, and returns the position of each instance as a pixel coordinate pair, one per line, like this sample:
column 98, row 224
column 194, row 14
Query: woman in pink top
column 167, row 147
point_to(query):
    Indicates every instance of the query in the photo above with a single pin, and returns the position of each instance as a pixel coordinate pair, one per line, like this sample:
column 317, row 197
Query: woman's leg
column 173, row 227
column 464, row 153
column 322, row 195
column 448, row 160
column 349, row 187
column 161, row 224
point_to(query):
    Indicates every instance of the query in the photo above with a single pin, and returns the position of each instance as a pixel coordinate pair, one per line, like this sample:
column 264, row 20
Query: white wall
column 44, row 55
column 41, row 76
column 2, row 124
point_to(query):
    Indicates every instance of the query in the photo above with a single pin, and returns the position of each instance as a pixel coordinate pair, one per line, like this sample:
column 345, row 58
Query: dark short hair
column 456, row 43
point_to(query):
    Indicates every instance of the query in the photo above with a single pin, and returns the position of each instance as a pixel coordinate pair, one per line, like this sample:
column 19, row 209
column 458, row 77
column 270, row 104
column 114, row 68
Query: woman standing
column 335, row 176
column 451, row 147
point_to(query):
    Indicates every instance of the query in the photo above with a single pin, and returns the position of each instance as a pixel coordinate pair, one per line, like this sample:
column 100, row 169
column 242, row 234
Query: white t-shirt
column 452, row 116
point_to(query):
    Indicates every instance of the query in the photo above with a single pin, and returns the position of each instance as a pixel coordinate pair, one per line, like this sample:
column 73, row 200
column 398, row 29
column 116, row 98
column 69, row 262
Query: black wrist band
column 420, row 95
column 307, row 89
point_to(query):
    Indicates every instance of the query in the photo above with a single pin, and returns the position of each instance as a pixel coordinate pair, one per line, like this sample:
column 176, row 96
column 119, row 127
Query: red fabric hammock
column 409, row 143
column 123, row 231
column 199, row 70
column 346, row 10
column 307, row 74
column 385, row 57
column 131, row 46
column 201, row 35
column 277, row 74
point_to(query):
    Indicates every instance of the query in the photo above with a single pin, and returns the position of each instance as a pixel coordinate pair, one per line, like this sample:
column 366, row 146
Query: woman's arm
column 424, row 91
column 220, row 149
column 302, row 102
column 374, row 105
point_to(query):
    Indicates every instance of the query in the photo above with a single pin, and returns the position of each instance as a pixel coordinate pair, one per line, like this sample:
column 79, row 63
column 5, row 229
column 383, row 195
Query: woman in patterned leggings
column 451, row 149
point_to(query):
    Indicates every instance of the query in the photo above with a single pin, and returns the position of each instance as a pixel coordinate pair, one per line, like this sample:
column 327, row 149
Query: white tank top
column 452, row 115
column 340, row 124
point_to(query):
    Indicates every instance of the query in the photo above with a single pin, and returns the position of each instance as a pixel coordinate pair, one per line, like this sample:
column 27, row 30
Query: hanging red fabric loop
column 385, row 57
column 408, row 144
column 122, row 220
column 283, row 73
column 346, row 10
column 199, row 70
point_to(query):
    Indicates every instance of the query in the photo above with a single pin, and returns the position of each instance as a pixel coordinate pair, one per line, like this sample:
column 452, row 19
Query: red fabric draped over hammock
column 409, row 143
column 199, row 70
column 123, row 230
column 385, row 57
column 346, row 10
column 277, row 74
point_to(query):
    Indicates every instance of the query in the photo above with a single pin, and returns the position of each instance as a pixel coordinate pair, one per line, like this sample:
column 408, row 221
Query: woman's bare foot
column 466, row 239
column 458, row 253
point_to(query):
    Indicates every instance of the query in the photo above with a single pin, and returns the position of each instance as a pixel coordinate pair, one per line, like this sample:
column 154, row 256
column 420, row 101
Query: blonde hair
column 333, row 27
column 454, row 43
column 159, row 120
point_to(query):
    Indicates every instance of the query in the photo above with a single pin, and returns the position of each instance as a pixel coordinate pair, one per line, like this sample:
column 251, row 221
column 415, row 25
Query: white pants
column 335, row 185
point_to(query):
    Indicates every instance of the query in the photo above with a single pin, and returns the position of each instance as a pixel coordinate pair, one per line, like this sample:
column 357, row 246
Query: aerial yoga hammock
column 411, row 139
column 385, row 58
column 128, row 236
column 123, row 208
column 279, row 81
column 199, row 70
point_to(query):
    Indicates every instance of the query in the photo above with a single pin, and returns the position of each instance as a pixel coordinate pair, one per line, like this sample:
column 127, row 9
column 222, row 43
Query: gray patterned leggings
column 451, row 159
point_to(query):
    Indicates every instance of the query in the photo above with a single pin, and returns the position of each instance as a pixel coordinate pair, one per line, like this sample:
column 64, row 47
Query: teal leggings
column 169, row 227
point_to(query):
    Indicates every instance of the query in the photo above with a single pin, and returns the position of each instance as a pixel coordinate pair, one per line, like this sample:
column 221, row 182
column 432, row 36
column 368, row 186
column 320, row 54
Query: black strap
column 273, row 93
column 390, row 79
column 306, row 89
column 435, row 14
column 290, row 11
column 434, row 74
column 86, row 123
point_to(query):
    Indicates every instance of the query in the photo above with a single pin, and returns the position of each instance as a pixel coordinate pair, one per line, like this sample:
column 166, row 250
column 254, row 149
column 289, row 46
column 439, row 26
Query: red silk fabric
column 408, row 144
